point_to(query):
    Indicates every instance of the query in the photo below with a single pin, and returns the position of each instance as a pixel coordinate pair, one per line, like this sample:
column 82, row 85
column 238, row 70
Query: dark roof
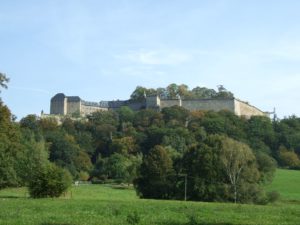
column 58, row 97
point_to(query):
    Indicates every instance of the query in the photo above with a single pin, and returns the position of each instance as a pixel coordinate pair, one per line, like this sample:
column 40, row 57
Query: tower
column 58, row 104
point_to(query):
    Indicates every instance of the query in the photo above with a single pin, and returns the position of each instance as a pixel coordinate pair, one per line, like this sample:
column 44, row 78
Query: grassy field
column 287, row 183
column 101, row 204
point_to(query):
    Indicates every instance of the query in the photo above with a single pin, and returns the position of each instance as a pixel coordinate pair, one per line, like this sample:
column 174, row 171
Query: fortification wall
column 86, row 109
column 244, row 109
column 209, row 104
column 135, row 106
column 73, row 107
column 152, row 102
column 63, row 105
column 169, row 103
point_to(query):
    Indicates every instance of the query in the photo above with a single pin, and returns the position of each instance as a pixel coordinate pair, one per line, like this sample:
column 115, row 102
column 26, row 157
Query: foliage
column 49, row 181
column 140, row 93
column 239, row 164
column 10, row 149
column 266, row 166
column 3, row 80
column 288, row 158
column 155, row 175
column 205, row 175
column 117, row 166
column 174, row 91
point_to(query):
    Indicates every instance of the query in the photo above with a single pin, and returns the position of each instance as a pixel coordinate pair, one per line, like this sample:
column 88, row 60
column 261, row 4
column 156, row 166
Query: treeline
column 214, row 156
column 174, row 91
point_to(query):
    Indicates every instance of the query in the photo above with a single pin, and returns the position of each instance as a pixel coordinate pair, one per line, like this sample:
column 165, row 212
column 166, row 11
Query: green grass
column 104, row 204
column 287, row 183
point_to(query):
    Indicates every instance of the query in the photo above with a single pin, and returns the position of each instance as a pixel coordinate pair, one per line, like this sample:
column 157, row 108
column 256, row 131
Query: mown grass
column 103, row 204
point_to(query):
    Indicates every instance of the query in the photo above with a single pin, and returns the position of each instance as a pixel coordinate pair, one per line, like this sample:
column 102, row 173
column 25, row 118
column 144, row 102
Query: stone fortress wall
column 68, row 105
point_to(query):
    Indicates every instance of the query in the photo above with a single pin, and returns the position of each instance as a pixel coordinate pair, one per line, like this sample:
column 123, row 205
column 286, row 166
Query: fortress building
column 70, row 105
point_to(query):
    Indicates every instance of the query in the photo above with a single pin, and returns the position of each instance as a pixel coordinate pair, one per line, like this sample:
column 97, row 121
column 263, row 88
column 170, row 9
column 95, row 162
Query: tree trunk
column 235, row 194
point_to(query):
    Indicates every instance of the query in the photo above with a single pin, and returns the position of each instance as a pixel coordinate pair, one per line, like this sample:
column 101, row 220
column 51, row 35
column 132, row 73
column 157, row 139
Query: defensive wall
column 68, row 105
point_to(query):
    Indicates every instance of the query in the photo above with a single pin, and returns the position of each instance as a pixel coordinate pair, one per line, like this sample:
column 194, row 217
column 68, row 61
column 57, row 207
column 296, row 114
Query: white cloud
column 156, row 57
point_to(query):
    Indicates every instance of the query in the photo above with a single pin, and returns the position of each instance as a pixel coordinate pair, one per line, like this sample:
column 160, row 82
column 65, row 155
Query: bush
column 49, row 181
column 273, row 196
column 83, row 176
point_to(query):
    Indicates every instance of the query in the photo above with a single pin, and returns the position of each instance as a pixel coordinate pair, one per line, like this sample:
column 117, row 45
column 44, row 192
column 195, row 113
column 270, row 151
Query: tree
column 10, row 149
column 146, row 118
column 124, row 146
column 34, row 155
column 83, row 162
column 31, row 123
column 116, row 167
column 63, row 150
column 126, row 114
column 206, row 179
column 172, row 91
column 140, row 93
column 288, row 158
column 184, row 92
column 175, row 115
column 202, row 92
column 266, row 166
column 3, row 81
column 236, row 157
column 119, row 167
column 49, row 181
column 178, row 138
column 156, row 174
column 213, row 123
column 288, row 133
column 260, row 128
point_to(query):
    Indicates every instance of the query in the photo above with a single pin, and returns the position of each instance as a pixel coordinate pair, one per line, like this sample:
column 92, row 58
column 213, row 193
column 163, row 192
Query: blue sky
column 101, row 50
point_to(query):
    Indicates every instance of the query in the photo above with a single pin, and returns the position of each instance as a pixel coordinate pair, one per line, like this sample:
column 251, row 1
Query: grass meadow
column 106, row 204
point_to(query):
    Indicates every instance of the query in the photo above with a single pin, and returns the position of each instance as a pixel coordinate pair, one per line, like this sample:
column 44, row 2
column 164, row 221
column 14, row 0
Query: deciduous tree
column 236, row 158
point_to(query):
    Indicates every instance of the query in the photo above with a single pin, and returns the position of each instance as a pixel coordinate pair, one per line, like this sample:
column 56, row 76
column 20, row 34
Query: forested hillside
column 214, row 156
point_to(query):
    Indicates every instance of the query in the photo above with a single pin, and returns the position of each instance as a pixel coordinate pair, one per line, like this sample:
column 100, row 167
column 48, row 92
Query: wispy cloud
column 156, row 57
column 42, row 91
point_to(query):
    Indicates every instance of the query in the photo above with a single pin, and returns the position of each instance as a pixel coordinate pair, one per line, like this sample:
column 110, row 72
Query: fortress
column 71, row 105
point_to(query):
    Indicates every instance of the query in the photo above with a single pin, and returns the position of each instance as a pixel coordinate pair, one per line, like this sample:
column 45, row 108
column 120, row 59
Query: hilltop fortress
column 70, row 105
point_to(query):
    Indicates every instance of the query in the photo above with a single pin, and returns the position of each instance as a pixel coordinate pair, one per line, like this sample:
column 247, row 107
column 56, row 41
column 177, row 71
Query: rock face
column 68, row 105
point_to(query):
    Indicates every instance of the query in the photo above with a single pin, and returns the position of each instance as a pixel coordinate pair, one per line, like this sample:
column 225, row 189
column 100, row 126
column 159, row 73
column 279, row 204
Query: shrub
column 49, row 181
column 273, row 196
column 83, row 176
